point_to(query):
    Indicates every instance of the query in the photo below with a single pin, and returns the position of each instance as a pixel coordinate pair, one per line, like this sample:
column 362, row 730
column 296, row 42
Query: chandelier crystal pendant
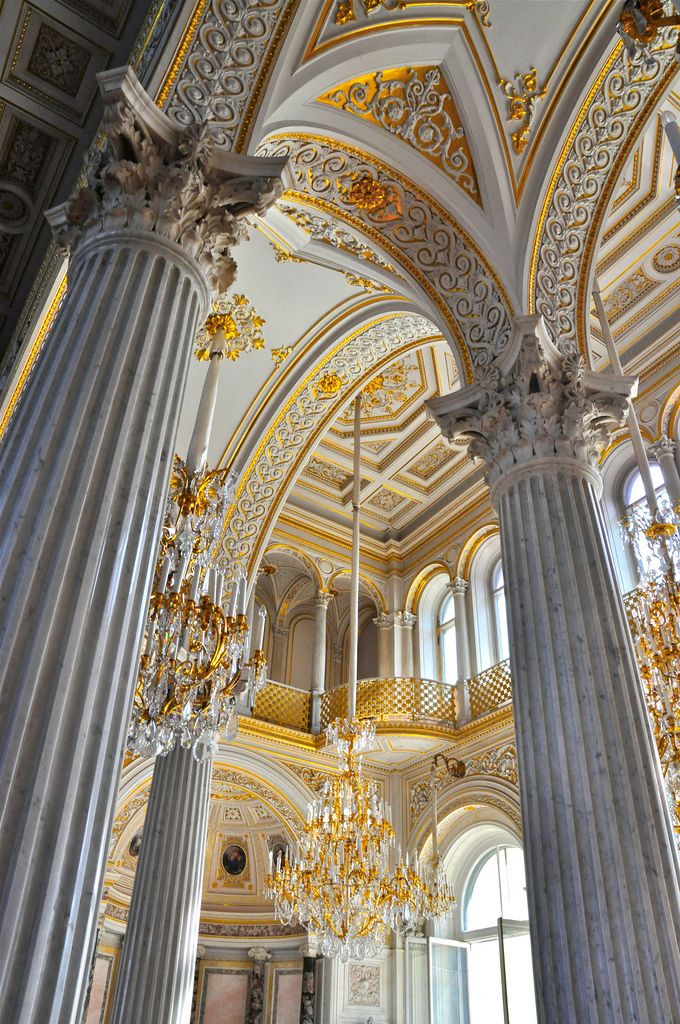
column 195, row 643
column 347, row 882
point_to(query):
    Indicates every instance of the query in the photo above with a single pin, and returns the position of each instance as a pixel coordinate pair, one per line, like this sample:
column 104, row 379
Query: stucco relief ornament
column 534, row 402
column 180, row 185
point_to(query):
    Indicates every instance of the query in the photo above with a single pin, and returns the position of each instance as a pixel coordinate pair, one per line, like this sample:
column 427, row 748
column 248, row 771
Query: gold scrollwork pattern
column 226, row 64
column 286, row 443
column 612, row 115
column 416, row 229
column 416, row 106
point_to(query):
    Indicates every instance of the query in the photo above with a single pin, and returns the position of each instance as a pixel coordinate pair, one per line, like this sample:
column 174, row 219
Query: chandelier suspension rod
column 356, row 549
column 639, row 449
column 197, row 455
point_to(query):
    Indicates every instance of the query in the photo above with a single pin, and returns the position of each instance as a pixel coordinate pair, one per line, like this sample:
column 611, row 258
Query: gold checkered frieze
column 490, row 689
column 283, row 705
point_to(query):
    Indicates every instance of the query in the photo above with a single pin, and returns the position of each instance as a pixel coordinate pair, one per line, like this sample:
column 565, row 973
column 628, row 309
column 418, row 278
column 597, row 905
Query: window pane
column 448, row 641
column 483, row 904
column 497, row 581
column 449, row 969
column 484, row 973
column 519, row 977
column 513, row 884
column 447, row 612
column 635, row 490
column 501, row 624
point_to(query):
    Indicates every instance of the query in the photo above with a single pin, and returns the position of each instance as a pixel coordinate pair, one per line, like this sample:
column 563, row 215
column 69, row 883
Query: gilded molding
column 415, row 229
column 598, row 145
column 522, row 95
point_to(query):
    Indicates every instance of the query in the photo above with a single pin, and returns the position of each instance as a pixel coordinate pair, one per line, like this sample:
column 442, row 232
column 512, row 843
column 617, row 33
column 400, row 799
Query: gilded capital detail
column 534, row 403
column 151, row 177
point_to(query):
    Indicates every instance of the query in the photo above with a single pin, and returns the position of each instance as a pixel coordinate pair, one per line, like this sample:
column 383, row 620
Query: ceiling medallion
column 368, row 194
column 328, row 386
column 522, row 95
column 239, row 323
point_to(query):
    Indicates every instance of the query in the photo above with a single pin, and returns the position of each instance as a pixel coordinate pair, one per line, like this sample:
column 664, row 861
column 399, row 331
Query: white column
column 602, row 875
column 321, row 602
column 405, row 621
column 154, row 984
column 85, row 466
column 279, row 651
column 663, row 451
column 459, row 588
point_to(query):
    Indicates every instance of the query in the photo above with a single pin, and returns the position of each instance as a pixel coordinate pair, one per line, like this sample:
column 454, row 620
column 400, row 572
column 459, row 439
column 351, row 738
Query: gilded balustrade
column 283, row 705
column 490, row 689
column 424, row 701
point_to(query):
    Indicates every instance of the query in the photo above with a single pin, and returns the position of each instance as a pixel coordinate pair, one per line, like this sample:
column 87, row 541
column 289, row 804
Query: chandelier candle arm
column 356, row 551
column 638, row 444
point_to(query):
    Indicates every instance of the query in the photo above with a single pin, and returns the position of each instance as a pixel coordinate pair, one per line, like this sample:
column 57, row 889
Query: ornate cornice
column 607, row 126
column 413, row 228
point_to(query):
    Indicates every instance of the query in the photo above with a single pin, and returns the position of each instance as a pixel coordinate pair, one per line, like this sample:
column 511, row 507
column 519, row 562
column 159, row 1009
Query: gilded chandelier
column 347, row 882
column 654, row 619
column 195, row 644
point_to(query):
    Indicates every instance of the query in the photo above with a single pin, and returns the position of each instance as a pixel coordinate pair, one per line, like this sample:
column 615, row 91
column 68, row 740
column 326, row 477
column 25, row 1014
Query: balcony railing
column 490, row 689
column 284, row 705
column 398, row 701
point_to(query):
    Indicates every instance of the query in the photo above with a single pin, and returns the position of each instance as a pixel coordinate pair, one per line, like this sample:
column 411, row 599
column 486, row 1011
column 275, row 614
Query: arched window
column 446, row 637
column 636, row 518
column 496, row 888
column 499, row 612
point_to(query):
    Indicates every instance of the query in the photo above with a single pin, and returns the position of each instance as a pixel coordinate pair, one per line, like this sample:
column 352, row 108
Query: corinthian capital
column 664, row 446
column 150, row 176
column 534, row 402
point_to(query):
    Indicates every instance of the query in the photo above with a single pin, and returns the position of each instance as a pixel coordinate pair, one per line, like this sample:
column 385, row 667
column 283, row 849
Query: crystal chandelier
column 347, row 882
column 440, row 898
column 641, row 21
column 195, row 642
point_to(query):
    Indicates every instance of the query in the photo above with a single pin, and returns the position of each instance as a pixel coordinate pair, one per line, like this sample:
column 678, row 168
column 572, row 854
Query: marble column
column 154, row 984
column 321, row 602
column 259, row 955
column 458, row 589
column 664, row 451
column 602, row 875
column 405, row 622
column 308, row 985
column 383, row 623
column 85, row 466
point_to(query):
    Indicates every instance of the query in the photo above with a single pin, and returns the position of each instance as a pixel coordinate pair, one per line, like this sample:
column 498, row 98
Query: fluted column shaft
column 602, row 874
column 602, row 877
column 155, row 976
column 85, row 468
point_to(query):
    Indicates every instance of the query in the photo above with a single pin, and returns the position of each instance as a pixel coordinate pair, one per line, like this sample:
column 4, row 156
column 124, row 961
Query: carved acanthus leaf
column 149, row 177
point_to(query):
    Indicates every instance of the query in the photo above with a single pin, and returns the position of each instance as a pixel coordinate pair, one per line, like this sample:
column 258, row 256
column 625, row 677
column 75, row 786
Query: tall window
column 446, row 635
column 636, row 519
column 499, row 612
column 495, row 923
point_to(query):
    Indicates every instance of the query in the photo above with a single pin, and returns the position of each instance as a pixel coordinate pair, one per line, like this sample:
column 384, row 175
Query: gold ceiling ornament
column 642, row 21
column 345, row 13
column 328, row 386
column 239, row 325
column 356, row 281
column 279, row 355
column 522, row 94
column 367, row 193
column 282, row 255
column 482, row 10
column 413, row 104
